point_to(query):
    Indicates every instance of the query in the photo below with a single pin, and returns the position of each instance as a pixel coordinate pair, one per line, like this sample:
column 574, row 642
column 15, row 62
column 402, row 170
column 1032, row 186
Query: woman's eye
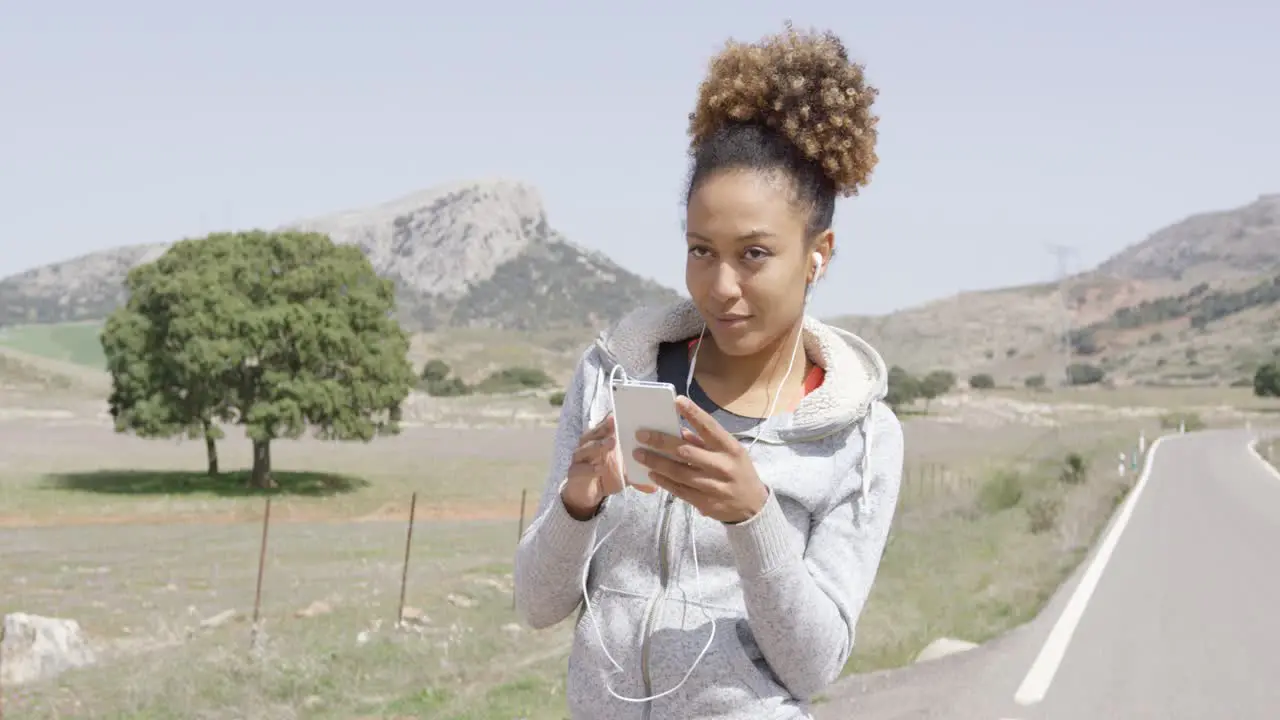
column 756, row 254
column 697, row 252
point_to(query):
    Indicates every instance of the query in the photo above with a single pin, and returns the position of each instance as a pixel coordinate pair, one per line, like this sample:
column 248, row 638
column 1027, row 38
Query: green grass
column 76, row 342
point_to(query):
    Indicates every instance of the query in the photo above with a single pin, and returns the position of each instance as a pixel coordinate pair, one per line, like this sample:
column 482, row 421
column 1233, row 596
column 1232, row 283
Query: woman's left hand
column 709, row 468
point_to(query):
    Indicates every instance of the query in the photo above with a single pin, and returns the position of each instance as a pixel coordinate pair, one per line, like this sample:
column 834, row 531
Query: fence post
column 262, row 562
column 404, row 572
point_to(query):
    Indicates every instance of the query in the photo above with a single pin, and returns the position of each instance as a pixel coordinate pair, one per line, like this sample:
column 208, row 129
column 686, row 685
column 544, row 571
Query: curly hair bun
column 799, row 84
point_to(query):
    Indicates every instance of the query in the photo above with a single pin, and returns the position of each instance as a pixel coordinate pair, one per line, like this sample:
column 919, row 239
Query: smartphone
column 640, row 405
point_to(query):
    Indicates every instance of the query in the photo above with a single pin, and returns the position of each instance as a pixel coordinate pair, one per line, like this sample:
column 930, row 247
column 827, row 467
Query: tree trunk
column 261, row 478
column 211, row 450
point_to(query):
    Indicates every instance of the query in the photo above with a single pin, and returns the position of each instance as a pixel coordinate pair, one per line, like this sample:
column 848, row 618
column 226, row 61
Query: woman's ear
column 823, row 248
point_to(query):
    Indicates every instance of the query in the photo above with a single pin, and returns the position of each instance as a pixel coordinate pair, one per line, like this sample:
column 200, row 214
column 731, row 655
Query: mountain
column 1197, row 302
column 476, row 254
column 1242, row 241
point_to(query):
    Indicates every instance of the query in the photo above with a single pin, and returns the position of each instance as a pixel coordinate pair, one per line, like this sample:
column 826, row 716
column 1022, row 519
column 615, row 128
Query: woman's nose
column 725, row 283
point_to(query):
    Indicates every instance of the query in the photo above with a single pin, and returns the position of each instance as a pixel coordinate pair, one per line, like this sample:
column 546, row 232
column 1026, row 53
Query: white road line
column 1253, row 450
column 1036, row 683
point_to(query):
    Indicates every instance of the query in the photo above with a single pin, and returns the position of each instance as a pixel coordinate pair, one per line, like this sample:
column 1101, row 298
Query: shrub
column 1042, row 515
column 1266, row 381
column 1075, row 469
column 446, row 387
column 1000, row 492
column 556, row 399
column 1191, row 421
column 982, row 381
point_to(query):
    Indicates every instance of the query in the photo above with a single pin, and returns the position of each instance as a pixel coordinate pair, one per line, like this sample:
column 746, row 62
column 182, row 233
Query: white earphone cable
column 697, row 574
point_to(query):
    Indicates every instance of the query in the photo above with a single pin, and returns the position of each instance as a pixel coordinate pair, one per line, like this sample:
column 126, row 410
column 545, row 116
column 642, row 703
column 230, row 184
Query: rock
column 414, row 616
column 461, row 601
column 37, row 648
column 943, row 647
column 315, row 609
column 217, row 621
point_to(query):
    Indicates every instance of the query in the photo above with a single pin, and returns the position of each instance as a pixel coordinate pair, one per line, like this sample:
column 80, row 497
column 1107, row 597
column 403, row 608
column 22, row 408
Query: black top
column 673, row 367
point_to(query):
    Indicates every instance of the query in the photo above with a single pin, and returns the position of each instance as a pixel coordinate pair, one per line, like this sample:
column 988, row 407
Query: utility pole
column 1064, row 253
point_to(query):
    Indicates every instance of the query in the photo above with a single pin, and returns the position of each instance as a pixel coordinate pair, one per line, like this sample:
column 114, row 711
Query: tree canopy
column 277, row 332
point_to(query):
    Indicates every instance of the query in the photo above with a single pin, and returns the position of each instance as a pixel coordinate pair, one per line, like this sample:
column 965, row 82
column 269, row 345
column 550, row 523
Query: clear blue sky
column 1004, row 125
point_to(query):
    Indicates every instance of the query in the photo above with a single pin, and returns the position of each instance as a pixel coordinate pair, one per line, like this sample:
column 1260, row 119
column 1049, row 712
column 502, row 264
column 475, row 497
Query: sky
column 1005, row 126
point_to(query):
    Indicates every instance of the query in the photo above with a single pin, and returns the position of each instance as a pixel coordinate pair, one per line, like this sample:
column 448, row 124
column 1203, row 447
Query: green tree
column 157, row 390
column 935, row 384
column 286, row 331
column 903, row 388
column 1266, row 381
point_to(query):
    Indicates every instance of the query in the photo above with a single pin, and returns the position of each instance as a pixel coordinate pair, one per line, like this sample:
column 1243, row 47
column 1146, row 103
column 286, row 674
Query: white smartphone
column 641, row 405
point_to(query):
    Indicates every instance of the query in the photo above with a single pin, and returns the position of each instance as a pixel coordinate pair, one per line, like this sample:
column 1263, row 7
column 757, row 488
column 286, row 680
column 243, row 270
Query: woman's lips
column 732, row 322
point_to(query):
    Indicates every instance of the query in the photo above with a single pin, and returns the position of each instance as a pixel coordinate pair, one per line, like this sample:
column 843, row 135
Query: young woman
column 733, row 590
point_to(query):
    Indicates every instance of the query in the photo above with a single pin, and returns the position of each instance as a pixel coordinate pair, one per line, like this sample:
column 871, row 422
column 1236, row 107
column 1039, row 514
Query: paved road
column 1176, row 614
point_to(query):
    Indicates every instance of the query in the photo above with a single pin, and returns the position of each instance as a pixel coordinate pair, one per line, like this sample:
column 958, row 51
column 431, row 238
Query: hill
column 1197, row 302
column 471, row 255
column 490, row 283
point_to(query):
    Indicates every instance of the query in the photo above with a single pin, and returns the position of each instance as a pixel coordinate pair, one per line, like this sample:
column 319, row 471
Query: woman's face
column 748, row 258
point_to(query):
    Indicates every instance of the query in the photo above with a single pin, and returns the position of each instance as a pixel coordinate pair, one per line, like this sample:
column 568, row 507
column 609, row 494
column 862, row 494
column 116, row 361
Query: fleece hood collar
column 856, row 376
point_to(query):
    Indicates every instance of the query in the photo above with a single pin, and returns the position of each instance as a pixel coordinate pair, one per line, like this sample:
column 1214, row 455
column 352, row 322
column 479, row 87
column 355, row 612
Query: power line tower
column 1064, row 254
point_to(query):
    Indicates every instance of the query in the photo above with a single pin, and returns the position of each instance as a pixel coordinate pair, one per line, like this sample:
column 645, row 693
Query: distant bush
column 1075, row 469
column 1035, row 382
column 556, row 399
column 514, row 379
column 436, row 380
column 448, row 387
column 982, row 381
column 1174, row 420
column 1085, row 374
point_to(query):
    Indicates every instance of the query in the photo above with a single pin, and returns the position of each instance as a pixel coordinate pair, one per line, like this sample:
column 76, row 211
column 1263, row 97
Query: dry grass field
column 158, row 563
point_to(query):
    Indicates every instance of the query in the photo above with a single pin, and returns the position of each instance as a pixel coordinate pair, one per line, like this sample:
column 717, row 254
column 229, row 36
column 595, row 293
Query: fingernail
column 638, row 455
column 644, row 436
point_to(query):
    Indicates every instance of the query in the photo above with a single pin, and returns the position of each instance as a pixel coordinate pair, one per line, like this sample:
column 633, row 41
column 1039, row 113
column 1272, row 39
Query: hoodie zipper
column 664, row 576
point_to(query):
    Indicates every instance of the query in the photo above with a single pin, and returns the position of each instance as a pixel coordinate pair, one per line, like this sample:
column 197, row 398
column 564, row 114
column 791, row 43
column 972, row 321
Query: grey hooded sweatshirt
column 784, row 589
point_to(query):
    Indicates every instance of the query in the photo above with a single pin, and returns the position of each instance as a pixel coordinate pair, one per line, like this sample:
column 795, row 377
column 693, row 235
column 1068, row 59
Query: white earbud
column 817, row 273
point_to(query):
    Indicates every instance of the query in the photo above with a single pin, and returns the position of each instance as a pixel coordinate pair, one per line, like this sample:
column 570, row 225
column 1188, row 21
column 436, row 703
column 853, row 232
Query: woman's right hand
column 593, row 472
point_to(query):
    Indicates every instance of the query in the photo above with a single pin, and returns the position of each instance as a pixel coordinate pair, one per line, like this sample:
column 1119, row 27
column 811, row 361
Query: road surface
column 1175, row 615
